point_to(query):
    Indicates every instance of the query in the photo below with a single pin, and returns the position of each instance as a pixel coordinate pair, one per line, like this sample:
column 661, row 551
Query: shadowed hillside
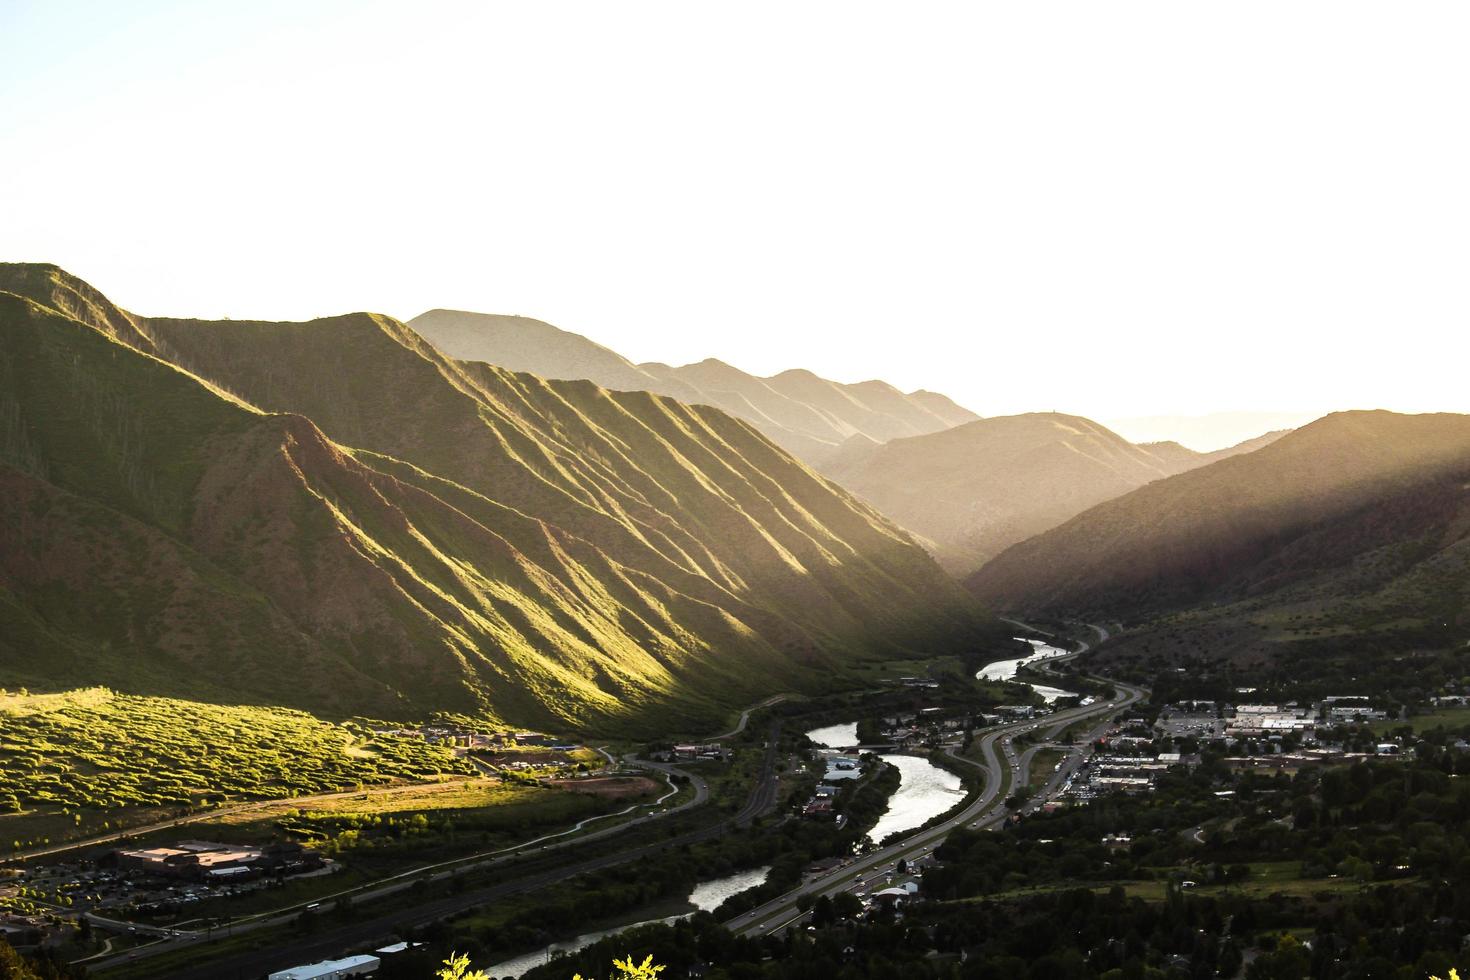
column 974, row 490
column 547, row 553
column 799, row 411
column 1360, row 518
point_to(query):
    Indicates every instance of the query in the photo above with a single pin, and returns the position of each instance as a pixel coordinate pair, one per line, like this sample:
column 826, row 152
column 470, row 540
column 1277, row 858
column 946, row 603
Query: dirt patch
column 530, row 757
column 609, row 787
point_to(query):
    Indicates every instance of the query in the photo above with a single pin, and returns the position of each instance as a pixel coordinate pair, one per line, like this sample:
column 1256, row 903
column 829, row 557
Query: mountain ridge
column 1303, row 508
column 804, row 413
column 975, row 489
column 545, row 579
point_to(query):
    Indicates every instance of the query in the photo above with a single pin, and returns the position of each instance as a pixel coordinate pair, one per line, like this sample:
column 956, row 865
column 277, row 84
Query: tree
column 457, row 967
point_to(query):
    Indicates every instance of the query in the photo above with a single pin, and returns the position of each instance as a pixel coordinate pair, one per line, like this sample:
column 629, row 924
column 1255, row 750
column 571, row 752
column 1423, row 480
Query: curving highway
column 987, row 809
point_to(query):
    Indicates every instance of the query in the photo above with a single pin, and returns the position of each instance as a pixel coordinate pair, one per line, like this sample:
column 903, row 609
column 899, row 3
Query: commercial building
column 199, row 860
column 352, row 966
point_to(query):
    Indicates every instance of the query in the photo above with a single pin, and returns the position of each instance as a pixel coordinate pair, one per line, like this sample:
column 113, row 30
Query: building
column 818, row 809
column 353, row 966
column 1355, row 712
column 1269, row 719
column 199, row 860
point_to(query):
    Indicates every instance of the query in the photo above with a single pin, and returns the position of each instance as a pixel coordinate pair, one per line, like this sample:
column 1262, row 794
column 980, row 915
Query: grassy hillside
column 801, row 412
column 1356, row 522
column 102, row 752
column 683, row 493
column 553, row 555
column 976, row 489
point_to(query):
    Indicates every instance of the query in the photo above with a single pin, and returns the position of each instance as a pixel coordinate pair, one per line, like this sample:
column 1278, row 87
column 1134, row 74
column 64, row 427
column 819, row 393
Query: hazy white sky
column 1112, row 209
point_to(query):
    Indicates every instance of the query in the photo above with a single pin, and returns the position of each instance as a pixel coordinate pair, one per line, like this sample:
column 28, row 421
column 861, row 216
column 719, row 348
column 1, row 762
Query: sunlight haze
column 1122, row 211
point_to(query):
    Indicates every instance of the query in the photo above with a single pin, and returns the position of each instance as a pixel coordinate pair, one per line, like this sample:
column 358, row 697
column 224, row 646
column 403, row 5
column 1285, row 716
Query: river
column 924, row 790
column 1004, row 670
column 706, row 897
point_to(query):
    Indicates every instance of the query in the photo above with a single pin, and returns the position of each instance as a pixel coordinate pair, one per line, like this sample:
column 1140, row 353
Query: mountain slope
column 799, row 411
column 520, row 343
column 551, row 554
column 1361, row 514
column 974, row 490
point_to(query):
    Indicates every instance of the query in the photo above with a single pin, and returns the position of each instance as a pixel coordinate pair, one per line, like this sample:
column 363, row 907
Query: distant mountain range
column 974, row 490
column 1356, row 523
column 1207, row 433
column 809, row 416
column 335, row 515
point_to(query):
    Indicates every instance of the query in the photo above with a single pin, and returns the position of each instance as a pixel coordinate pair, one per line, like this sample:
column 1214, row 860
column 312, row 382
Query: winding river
column 1004, row 670
column 706, row 897
column 924, row 790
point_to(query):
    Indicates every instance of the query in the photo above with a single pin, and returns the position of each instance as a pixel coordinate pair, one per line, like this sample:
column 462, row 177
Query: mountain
column 520, row 343
column 1183, row 458
column 974, row 490
column 336, row 516
column 805, row 414
column 1207, row 433
column 1360, row 520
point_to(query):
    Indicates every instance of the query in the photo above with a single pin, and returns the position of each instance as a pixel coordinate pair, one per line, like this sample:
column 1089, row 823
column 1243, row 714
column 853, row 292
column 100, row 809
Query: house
column 818, row 809
column 892, row 896
column 711, row 750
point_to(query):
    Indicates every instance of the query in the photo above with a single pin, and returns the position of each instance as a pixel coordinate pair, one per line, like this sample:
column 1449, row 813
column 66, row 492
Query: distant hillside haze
column 974, row 490
column 336, row 515
column 803, row 413
column 1361, row 515
column 1208, row 433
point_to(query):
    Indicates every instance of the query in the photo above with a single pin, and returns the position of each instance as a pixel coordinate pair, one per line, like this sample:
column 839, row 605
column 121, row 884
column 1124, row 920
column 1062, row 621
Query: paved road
column 215, row 814
column 745, row 716
column 362, row 934
column 985, row 810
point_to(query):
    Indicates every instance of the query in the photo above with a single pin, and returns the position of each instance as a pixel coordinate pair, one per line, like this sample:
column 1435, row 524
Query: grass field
column 1043, row 764
column 1442, row 718
column 83, row 761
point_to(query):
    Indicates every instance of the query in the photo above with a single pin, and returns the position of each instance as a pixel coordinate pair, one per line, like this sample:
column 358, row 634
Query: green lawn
column 1452, row 717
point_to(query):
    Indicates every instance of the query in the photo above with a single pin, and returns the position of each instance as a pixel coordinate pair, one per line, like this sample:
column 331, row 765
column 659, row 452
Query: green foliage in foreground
column 95, row 749
column 458, row 968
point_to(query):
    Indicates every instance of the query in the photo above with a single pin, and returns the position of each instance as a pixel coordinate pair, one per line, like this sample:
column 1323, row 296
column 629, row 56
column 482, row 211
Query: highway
column 986, row 810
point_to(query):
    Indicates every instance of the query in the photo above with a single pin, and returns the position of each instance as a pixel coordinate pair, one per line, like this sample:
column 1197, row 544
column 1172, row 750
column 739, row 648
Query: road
column 745, row 716
column 252, row 964
column 215, row 814
column 177, row 938
column 986, row 810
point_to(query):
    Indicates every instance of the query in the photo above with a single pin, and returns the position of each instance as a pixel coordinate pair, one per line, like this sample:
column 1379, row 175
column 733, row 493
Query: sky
column 1118, row 210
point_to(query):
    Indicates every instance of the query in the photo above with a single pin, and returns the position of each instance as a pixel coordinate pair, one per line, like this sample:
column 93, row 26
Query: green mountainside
column 1357, row 523
column 976, row 489
column 552, row 554
column 805, row 414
